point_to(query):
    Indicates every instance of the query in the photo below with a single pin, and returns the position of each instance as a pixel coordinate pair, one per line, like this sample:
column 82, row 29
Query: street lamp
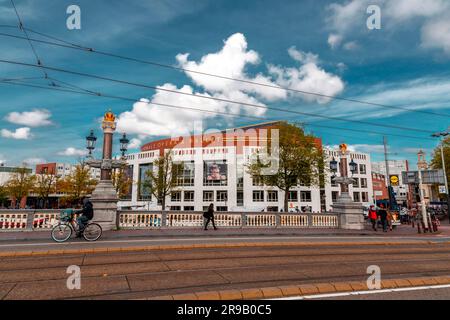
column 90, row 142
column 124, row 144
column 441, row 135
column 353, row 167
column 333, row 165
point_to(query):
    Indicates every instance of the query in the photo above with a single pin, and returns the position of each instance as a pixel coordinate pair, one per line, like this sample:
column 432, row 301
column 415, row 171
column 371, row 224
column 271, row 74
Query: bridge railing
column 193, row 219
column 23, row 220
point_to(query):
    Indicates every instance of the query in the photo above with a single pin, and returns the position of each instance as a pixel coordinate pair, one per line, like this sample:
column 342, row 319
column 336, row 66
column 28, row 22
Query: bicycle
column 68, row 225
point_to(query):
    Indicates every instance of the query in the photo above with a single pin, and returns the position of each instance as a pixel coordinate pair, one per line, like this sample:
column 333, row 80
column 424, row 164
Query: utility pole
column 422, row 196
column 388, row 177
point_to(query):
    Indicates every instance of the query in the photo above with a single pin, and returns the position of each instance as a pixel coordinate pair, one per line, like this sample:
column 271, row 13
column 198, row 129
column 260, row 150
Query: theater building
column 215, row 171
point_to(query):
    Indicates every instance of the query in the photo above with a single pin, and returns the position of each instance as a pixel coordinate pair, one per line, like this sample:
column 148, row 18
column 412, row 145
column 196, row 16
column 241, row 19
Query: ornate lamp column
column 350, row 213
column 104, row 198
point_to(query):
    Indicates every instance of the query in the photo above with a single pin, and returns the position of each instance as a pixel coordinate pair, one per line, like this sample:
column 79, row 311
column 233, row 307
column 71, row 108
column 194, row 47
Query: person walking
column 209, row 215
column 373, row 217
column 383, row 216
column 390, row 219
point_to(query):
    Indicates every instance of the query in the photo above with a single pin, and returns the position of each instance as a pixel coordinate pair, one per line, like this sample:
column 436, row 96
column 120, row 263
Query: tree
column 122, row 181
column 301, row 161
column 3, row 196
column 19, row 185
column 78, row 184
column 163, row 178
column 45, row 184
column 436, row 162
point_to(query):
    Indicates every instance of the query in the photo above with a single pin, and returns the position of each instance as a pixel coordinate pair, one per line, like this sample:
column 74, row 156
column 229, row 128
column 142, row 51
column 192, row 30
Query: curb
column 303, row 289
column 211, row 246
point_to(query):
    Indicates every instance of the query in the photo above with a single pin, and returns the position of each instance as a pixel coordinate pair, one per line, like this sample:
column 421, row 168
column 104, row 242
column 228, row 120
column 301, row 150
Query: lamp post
column 441, row 136
column 349, row 212
column 104, row 198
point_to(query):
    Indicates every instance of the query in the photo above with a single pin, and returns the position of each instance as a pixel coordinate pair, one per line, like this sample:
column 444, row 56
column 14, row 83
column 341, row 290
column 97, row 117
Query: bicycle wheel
column 92, row 232
column 61, row 232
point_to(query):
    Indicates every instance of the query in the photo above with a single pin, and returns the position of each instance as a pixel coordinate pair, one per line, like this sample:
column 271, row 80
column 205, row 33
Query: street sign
column 442, row 190
column 378, row 193
column 428, row 177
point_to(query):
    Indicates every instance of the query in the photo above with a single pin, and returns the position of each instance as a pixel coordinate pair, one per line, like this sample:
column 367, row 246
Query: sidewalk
column 401, row 231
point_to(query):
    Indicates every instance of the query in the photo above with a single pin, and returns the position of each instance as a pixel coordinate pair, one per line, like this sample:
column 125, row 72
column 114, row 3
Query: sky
column 321, row 47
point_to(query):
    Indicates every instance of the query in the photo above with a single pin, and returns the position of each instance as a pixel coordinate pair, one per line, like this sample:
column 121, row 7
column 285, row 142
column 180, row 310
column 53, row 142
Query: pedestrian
column 209, row 215
column 390, row 219
column 373, row 217
column 383, row 216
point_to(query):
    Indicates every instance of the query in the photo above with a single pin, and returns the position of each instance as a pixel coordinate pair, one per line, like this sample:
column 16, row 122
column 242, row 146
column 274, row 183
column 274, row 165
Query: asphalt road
column 143, row 274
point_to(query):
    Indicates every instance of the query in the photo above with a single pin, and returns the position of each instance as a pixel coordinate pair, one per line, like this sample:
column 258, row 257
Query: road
column 143, row 274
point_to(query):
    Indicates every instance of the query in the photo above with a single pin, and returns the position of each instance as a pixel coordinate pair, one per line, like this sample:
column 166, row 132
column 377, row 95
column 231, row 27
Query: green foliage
column 77, row 185
column 436, row 162
column 301, row 161
column 20, row 184
column 163, row 178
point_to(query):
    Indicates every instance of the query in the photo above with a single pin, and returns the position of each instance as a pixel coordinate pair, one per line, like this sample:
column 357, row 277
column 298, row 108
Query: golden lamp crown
column 109, row 116
column 343, row 148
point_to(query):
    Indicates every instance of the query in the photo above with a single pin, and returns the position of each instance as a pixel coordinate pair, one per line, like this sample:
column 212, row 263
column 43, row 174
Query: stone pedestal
column 104, row 199
column 350, row 213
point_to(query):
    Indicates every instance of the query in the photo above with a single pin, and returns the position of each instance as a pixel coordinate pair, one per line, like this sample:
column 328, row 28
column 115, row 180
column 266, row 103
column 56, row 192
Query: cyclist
column 85, row 214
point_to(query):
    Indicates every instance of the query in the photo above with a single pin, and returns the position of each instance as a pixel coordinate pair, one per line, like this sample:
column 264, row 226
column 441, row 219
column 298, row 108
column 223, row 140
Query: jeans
column 82, row 222
column 374, row 224
column 385, row 224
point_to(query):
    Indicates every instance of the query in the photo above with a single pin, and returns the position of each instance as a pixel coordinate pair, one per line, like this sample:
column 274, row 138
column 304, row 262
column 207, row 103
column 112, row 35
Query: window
column 175, row 208
column 305, row 196
column 258, row 196
column 362, row 169
column 188, row 208
column 293, row 196
column 272, row 196
column 189, row 196
column 333, row 182
column 208, row 196
column 240, row 198
column 221, row 209
column 187, row 175
column 363, row 183
column 365, row 197
column 257, row 182
column 222, row 196
column 355, row 183
column 334, row 195
column 144, row 193
column 175, row 196
column 356, row 197
column 272, row 209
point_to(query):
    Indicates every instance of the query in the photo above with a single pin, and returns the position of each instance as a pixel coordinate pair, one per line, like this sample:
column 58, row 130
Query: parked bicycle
column 68, row 225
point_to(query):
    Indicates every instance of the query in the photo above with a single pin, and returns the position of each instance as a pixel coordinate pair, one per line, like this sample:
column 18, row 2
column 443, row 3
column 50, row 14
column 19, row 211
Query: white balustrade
column 261, row 220
column 45, row 220
column 140, row 220
column 228, row 220
column 330, row 221
column 294, row 220
column 184, row 220
column 13, row 221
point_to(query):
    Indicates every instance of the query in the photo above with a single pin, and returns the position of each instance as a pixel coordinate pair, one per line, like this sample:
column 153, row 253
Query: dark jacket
column 87, row 211
column 383, row 214
column 209, row 213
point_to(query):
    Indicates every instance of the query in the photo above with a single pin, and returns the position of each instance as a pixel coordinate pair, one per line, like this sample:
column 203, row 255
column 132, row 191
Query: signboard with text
column 428, row 177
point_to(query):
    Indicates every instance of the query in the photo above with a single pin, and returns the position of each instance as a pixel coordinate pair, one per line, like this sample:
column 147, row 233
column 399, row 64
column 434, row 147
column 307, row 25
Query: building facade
column 63, row 169
column 402, row 191
column 216, row 171
column 380, row 190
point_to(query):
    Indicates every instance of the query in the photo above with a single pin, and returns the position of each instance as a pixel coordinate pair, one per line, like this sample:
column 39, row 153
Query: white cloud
column 146, row 119
column 349, row 19
column 18, row 134
column 70, row 152
column 436, row 34
column 334, row 40
column 134, row 144
column 230, row 62
column 308, row 77
column 35, row 118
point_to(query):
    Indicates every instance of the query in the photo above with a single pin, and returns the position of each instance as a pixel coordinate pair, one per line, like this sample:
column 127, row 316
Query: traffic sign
column 442, row 190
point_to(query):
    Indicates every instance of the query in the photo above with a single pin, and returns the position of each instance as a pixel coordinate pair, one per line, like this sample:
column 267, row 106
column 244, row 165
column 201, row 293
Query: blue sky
column 318, row 46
